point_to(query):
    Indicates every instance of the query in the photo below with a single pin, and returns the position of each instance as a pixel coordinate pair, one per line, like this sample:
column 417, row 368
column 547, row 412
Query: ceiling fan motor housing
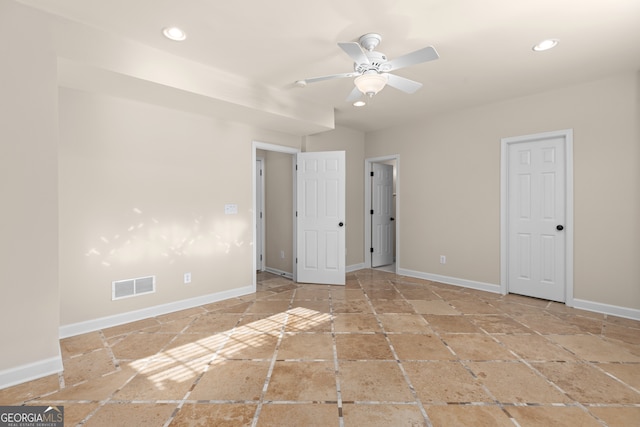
column 377, row 61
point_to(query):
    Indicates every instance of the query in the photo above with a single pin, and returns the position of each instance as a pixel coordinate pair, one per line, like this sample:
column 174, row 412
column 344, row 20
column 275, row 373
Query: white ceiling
column 484, row 45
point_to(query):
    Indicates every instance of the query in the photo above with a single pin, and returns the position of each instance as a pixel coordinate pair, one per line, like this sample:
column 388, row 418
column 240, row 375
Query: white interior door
column 382, row 215
column 536, row 194
column 320, row 221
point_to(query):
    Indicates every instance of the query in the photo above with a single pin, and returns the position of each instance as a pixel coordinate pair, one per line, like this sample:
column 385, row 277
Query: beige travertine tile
column 417, row 293
column 87, row 366
column 392, row 306
column 347, row 294
column 535, row 348
column 420, row 347
column 140, row 345
column 629, row 373
column 24, row 392
column 283, row 415
column 363, row 347
column 131, row 414
column 444, row 382
column 302, row 381
column 546, row 324
column 249, row 346
column 586, row 384
column 384, row 294
column 622, row 333
column 499, row 324
column 617, row 416
column 187, row 347
column 307, row 321
column 543, row 416
column 169, row 381
column 382, row 415
column 306, row 346
column 468, row 416
column 373, row 381
column 214, row 414
column 352, row 306
column 476, row 347
column 356, row 322
column 404, row 323
column 451, row 323
column 594, row 349
column 74, row 412
column 213, row 322
column 315, row 293
column 434, row 307
column 232, row 380
column 261, row 323
column 80, row 344
column 514, row 382
column 127, row 328
column 268, row 307
column 95, row 389
column 473, row 305
column 319, row 305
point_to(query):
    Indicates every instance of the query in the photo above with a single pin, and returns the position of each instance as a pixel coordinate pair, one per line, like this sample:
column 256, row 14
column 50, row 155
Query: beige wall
column 450, row 185
column 29, row 307
column 142, row 192
column 351, row 141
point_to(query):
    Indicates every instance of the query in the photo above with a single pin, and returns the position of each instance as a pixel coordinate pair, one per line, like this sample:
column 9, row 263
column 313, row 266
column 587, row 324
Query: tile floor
column 384, row 350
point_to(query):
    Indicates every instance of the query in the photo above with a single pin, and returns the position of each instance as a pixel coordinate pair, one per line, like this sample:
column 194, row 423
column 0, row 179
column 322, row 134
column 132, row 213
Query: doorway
column 382, row 213
column 276, row 239
column 537, row 216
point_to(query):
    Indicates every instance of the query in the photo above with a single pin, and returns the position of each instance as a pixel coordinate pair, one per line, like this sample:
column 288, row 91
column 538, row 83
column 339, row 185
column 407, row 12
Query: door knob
column 559, row 227
column 392, row 219
column 340, row 223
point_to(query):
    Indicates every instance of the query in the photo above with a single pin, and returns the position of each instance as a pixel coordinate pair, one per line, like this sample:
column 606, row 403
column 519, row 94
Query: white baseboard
column 613, row 310
column 489, row 287
column 30, row 371
column 355, row 267
column 279, row 272
column 73, row 329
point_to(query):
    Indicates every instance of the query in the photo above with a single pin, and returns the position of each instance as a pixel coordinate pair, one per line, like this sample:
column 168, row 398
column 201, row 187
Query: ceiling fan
column 372, row 69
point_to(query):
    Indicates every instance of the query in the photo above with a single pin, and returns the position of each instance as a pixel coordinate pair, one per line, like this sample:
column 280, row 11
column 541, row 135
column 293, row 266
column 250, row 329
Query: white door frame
column 257, row 145
column 259, row 190
column 367, row 207
column 567, row 135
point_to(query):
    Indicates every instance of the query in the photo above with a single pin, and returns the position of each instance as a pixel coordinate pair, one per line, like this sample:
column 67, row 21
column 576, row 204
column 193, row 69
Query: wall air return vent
column 133, row 287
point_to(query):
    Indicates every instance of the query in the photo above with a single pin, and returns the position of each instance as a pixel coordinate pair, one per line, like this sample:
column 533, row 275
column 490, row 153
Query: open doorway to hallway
column 381, row 213
column 273, row 201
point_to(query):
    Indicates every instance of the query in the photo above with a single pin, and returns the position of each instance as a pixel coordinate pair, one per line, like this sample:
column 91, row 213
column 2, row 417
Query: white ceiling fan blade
column 403, row 84
column 355, row 52
column 354, row 95
column 330, row 77
column 423, row 55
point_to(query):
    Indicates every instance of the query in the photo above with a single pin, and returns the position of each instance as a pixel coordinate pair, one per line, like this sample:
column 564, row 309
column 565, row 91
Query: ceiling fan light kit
column 370, row 83
column 372, row 69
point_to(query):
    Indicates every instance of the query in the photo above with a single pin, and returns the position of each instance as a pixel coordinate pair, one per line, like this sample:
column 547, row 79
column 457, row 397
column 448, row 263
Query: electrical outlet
column 282, row 254
column 187, row 278
column 443, row 259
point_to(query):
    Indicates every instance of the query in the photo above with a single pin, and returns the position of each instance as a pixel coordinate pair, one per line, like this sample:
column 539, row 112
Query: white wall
column 450, row 185
column 29, row 306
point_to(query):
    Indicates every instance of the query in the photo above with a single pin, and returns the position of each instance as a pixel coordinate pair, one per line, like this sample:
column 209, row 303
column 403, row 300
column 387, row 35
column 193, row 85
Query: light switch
column 230, row 209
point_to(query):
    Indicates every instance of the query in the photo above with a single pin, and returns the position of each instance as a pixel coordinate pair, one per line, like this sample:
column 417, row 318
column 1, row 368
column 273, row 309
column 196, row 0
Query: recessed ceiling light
column 546, row 45
column 174, row 33
column 359, row 104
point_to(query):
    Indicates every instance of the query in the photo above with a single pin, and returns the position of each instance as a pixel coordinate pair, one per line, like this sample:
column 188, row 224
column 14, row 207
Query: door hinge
column 296, row 260
column 260, row 257
column 371, row 173
column 371, row 250
column 260, row 215
column 371, row 211
column 296, row 167
column 260, row 172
